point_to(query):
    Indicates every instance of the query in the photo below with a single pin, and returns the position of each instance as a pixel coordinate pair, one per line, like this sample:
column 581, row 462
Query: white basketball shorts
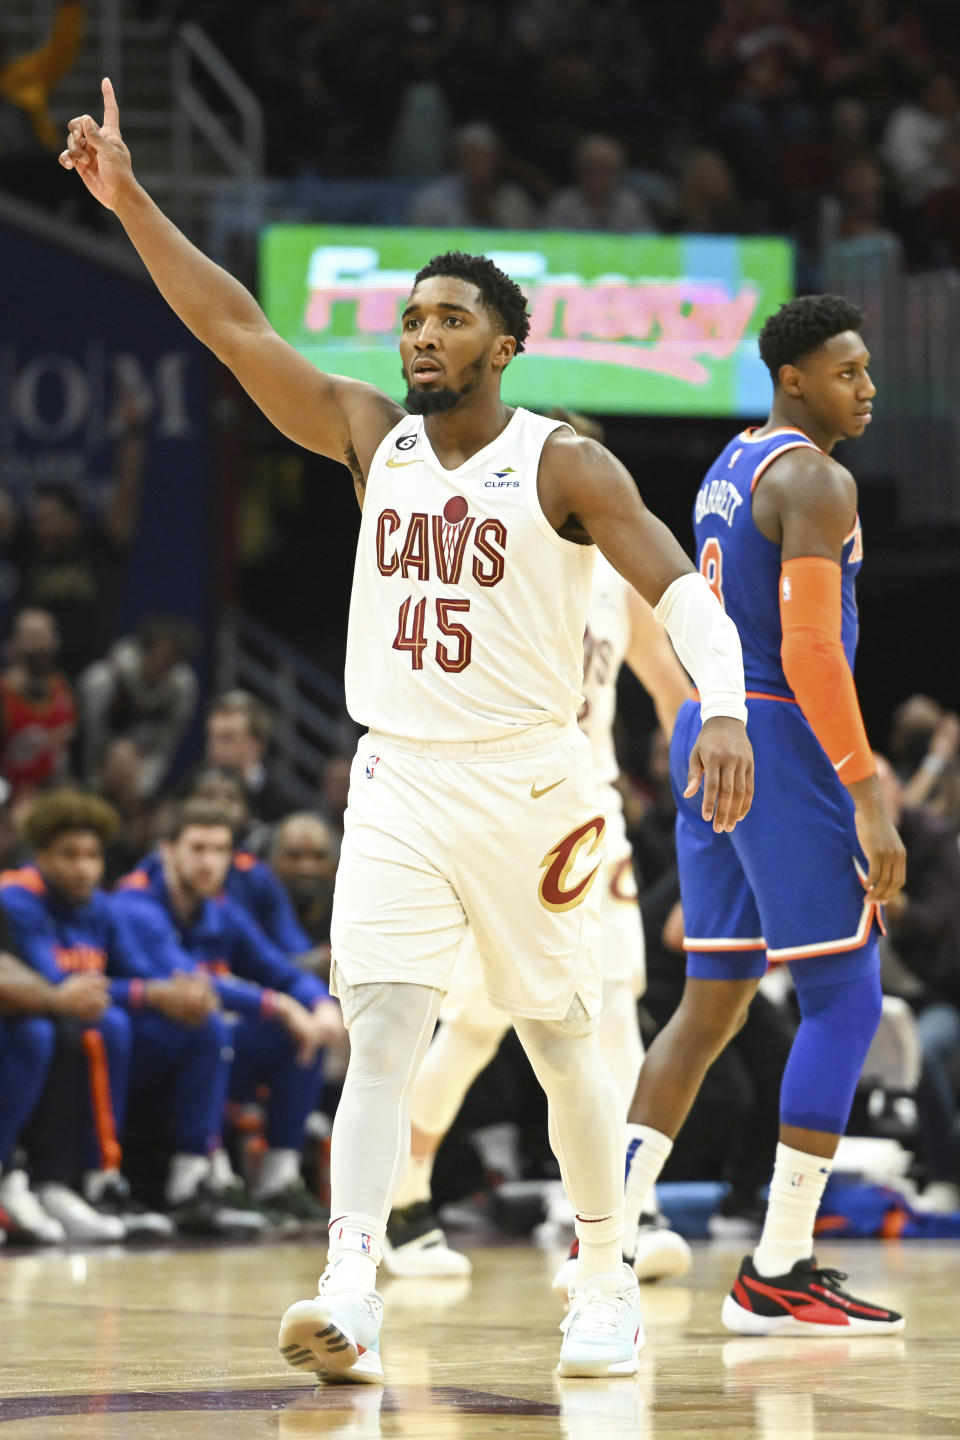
column 504, row 837
column 623, row 956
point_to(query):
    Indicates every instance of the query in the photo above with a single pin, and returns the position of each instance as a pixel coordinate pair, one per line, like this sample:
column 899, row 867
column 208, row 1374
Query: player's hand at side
column 97, row 152
column 722, row 759
column 81, row 997
column 879, row 841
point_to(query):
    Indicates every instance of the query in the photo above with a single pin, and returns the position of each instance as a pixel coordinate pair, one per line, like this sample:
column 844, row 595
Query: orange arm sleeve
column 816, row 667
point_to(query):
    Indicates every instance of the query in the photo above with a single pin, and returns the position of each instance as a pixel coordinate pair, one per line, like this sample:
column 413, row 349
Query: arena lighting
column 649, row 324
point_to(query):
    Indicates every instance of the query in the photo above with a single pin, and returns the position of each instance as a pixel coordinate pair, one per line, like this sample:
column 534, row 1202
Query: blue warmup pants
column 264, row 1055
column 106, row 1047
column 26, row 1050
column 188, row 1068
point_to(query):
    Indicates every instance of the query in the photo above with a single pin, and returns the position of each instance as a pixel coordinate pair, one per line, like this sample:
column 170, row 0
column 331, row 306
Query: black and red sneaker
column 809, row 1300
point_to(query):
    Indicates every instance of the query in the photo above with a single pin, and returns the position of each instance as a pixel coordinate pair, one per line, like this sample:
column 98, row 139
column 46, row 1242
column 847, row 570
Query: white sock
column 415, row 1186
column 279, row 1169
column 796, row 1190
column 356, row 1247
column 185, row 1176
column 601, row 1242
column 647, row 1153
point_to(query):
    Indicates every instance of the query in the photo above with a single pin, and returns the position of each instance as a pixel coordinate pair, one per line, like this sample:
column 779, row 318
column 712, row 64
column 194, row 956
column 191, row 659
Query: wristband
column 707, row 645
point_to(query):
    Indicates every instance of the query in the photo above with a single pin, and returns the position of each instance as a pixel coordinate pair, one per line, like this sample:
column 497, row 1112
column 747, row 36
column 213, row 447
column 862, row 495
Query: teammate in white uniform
column 471, row 798
column 620, row 628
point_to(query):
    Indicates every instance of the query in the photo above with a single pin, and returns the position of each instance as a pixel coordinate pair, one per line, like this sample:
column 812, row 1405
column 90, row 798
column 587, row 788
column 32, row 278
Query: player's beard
column 440, row 402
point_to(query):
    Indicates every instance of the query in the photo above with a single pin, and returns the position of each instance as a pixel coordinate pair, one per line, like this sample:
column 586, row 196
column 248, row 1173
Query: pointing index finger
column 111, row 110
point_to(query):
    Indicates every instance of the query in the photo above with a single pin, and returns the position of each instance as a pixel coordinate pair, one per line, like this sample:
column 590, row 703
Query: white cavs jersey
column 605, row 644
column 468, row 609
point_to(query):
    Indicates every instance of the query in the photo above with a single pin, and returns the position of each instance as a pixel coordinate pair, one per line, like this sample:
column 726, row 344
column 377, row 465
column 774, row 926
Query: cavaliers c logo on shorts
column 558, row 862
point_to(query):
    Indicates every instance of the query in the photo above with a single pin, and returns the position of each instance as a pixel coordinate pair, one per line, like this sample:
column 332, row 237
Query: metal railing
column 196, row 122
column 310, row 717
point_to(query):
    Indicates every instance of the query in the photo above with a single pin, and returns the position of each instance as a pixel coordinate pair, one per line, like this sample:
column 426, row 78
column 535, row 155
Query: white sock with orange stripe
column 796, row 1190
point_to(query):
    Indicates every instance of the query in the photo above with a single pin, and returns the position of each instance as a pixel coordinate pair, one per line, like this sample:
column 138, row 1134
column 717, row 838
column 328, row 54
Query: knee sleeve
column 586, row 1113
column 840, row 1003
column 390, row 1029
column 389, row 1024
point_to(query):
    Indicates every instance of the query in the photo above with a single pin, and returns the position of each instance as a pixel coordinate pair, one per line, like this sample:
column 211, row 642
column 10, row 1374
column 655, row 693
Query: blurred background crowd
column 834, row 118
column 212, row 844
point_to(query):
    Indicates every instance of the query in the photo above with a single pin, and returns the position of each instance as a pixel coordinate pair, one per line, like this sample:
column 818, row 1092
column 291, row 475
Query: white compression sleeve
column 390, row 1026
column 707, row 645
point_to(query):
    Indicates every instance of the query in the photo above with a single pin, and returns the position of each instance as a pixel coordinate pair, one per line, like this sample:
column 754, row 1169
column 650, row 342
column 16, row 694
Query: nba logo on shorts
column 365, row 1244
column 372, row 762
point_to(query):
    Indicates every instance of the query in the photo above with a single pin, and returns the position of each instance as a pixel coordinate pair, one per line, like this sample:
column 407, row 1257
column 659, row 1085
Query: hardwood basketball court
column 119, row 1345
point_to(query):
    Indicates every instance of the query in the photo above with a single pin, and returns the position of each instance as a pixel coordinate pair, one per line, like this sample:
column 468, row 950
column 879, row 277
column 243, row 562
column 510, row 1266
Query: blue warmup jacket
column 58, row 939
column 223, row 940
column 255, row 888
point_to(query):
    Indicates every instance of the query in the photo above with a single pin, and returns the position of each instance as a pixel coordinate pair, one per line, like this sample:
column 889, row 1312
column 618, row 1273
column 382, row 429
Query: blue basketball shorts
column 789, row 882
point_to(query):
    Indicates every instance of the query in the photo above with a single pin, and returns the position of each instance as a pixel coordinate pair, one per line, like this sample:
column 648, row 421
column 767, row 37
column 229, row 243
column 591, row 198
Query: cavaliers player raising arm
column 452, row 350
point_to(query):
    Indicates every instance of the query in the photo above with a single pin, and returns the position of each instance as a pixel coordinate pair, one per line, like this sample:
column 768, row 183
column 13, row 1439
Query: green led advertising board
column 647, row 325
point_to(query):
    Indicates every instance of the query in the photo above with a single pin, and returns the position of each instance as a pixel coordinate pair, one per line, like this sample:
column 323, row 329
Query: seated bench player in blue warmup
column 281, row 1017
column 156, row 1030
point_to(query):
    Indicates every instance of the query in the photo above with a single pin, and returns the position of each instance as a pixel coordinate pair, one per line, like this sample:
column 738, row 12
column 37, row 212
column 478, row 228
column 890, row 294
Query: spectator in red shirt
column 38, row 712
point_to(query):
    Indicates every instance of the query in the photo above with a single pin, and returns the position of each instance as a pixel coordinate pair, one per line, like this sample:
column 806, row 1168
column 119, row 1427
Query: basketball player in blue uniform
column 801, row 880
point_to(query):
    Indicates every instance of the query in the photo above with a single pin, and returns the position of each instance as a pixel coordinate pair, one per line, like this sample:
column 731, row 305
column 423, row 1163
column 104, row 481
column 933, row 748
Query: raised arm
column 582, row 487
column 344, row 419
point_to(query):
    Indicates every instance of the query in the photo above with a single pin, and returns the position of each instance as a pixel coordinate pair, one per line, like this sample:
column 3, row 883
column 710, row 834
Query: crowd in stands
column 823, row 120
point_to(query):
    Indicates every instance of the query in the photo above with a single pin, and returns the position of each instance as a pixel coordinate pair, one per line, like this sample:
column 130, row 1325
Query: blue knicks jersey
column 742, row 567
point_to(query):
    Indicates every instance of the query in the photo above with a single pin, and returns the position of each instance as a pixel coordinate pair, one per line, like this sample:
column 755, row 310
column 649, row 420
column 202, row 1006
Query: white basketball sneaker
column 25, row 1218
column 337, row 1335
column 81, row 1222
column 415, row 1246
column 658, row 1252
column 603, row 1329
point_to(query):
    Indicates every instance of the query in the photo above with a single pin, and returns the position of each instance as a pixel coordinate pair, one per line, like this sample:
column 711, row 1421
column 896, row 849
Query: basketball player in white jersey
column 621, row 628
column 472, row 799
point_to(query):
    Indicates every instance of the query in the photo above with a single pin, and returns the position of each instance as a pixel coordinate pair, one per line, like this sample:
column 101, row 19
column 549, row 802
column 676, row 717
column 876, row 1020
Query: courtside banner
column 641, row 324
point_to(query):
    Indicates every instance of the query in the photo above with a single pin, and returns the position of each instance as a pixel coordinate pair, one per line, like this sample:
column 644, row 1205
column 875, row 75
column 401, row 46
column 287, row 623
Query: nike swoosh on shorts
column 535, row 794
